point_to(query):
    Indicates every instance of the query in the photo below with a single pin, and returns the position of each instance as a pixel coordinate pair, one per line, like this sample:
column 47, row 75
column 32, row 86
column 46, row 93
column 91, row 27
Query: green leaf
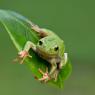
column 20, row 32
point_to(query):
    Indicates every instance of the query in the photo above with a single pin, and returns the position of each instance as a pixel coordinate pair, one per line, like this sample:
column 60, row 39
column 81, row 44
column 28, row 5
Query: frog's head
column 50, row 46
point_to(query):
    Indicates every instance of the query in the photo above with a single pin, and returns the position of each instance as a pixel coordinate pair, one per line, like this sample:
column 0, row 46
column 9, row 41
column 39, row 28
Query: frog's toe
column 22, row 56
column 45, row 76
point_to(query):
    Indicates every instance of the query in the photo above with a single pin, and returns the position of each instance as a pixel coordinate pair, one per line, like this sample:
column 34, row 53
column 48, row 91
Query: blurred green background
column 73, row 21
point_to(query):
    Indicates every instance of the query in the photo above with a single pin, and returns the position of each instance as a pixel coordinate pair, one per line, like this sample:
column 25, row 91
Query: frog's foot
column 22, row 56
column 45, row 78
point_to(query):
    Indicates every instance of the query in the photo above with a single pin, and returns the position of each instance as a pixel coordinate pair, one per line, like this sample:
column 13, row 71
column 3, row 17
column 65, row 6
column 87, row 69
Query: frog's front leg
column 49, row 75
column 60, row 65
column 25, row 52
column 45, row 76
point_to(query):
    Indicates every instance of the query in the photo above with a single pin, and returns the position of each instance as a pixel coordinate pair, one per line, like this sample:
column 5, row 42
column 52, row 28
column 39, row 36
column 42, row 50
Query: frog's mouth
column 45, row 54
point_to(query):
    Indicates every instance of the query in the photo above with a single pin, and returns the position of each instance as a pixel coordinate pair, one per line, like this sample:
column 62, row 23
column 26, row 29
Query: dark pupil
column 40, row 42
column 56, row 48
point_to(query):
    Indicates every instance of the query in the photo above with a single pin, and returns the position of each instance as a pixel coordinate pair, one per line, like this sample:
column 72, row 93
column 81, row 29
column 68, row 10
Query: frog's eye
column 56, row 48
column 40, row 42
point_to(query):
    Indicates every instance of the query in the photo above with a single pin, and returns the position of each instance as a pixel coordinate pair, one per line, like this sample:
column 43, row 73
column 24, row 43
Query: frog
column 49, row 47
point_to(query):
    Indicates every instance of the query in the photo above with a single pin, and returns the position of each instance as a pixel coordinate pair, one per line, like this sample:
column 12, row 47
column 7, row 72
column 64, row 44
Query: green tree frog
column 51, row 48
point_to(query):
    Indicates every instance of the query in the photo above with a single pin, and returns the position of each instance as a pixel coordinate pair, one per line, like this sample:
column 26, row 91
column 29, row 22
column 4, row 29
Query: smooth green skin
column 20, row 32
column 51, row 48
column 50, row 42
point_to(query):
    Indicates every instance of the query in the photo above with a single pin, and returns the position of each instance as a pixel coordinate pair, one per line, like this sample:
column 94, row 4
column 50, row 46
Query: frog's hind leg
column 40, row 31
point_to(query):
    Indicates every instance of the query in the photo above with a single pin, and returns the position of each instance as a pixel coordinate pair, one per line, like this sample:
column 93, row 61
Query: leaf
column 20, row 32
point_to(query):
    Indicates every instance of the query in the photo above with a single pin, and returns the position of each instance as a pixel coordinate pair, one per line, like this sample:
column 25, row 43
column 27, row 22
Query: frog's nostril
column 40, row 42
